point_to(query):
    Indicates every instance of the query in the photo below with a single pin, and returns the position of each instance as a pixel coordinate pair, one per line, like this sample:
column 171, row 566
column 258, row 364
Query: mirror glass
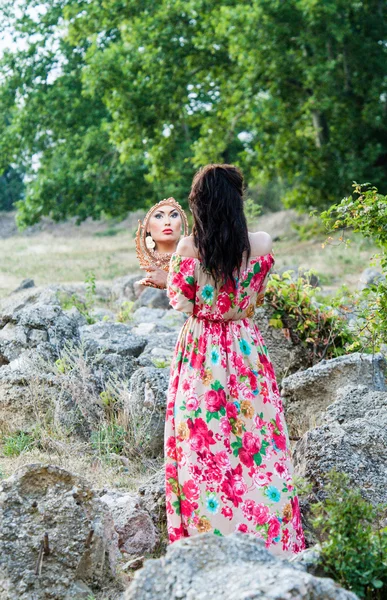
column 159, row 233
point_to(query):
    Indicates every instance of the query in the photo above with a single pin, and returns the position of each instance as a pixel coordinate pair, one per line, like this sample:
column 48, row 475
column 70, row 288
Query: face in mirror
column 164, row 229
column 158, row 235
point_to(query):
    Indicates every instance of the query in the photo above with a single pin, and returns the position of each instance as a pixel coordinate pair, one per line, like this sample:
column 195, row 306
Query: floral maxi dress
column 228, row 462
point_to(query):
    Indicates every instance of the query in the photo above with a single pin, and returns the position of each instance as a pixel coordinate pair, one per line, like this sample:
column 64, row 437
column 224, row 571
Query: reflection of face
column 164, row 224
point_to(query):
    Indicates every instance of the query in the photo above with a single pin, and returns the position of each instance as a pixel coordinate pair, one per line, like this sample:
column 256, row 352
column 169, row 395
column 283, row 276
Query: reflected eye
column 175, row 214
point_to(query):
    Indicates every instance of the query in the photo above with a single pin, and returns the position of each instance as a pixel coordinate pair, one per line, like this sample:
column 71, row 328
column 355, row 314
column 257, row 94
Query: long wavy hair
column 220, row 229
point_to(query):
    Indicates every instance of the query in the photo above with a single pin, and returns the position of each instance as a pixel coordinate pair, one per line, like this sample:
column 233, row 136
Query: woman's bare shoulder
column 261, row 243
column 186, row 247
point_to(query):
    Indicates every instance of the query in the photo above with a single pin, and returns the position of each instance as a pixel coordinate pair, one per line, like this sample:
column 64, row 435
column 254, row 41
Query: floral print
column 228, row 461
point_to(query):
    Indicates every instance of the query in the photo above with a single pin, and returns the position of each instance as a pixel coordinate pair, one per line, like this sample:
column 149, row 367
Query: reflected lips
column 167, row 231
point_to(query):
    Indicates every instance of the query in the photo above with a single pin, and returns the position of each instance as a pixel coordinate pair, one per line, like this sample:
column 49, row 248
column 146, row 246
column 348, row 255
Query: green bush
column 353, row 542
column 365, row 212
column 318, row 327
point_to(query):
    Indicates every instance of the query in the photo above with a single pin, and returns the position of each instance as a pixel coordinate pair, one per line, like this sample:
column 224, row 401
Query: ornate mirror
column 159, row 233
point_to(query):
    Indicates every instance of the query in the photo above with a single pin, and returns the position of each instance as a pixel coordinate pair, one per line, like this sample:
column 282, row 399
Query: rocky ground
column 82, row 401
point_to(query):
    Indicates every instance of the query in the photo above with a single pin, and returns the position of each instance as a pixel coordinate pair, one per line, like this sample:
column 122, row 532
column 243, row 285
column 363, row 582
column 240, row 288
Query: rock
column 352, row 438
column 144, row 329
column 137, row 533
column 146, row 405
column 25, row 284
column 82, row 544
column 124, row 289
column 173, row 319
column 369, row 276
column 306, row 394
column 310, row 559
column 232, row 567
column 32, row 320
column 29, row 389
column 148, row 315
column 153, row 298
column 285, row 356
column 152, row 498
column 159, row 349
column 103, row 314
column 111, row 338
column 112, row 367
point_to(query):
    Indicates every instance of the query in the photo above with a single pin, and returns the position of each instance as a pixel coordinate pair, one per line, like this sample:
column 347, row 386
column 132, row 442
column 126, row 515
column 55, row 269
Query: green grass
column 14, row 445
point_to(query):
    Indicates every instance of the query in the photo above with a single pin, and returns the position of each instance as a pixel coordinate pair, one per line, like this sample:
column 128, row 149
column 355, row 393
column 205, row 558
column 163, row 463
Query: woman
column 228, row 461
column 163, row 233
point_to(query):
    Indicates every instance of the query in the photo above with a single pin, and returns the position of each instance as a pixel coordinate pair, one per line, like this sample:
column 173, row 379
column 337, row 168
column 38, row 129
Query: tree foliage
column 123, row 99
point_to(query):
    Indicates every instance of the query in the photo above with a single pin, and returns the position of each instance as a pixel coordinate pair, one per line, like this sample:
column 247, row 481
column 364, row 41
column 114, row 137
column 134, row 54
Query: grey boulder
column 57, row 539
column 234, row 567
column 306, row 394
column 145, row 408
column 352, row 438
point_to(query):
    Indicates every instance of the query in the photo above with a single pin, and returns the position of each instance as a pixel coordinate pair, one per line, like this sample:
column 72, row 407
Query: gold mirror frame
column 146, row 256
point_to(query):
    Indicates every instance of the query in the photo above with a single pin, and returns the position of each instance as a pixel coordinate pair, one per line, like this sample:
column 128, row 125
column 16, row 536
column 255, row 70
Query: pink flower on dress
column 274, row 527
column 170, row 471
column 170, row 447
column 248, row 509
column 281, row 470
column 251, row 443
column 245, row 302
column 258, row 422
column 192, row 403
column 245, row 457
column 232, row 384
column 223, row 303
column 261, row 514
column 262, row 478
column 234, row 486
column 215, row 400
column 200, row 436
column 225, row 425
column 191, row 490
column 231, row 410
column 242, row 527
column 187, row 267
column 222, row 460
column 227, row 512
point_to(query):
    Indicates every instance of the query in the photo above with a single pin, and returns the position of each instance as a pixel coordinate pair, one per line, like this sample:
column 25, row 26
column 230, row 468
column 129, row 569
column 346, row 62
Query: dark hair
column 220, row 229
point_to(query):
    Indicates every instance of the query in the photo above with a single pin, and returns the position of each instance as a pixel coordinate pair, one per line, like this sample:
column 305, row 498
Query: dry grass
column 65, row 253
column 103, row 443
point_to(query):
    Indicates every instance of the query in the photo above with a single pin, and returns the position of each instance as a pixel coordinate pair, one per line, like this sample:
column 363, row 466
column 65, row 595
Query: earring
column 149, row 242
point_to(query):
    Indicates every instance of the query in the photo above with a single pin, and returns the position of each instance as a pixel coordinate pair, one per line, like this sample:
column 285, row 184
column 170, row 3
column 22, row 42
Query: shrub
column 317, row 327
column 365, row 212
column 353, row 542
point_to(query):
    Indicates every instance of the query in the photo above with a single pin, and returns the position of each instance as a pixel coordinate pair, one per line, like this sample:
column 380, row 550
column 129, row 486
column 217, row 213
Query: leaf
column 217, row 385
column 222, row 411
column 176, row 505
column 217, row 532
column 264, row 445
column 257, row 458
column 212, row 415
column 190, row 279
column 257, row 268
column 198, row 412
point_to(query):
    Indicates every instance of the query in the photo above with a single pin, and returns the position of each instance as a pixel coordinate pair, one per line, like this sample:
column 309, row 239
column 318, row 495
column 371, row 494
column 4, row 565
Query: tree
column 293, row 92
column 11, row 188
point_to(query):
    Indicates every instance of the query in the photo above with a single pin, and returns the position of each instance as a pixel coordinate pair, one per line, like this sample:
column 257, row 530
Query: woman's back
column 192, row 290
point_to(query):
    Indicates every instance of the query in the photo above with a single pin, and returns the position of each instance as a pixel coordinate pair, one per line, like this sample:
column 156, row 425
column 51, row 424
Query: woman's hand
column 155, row 277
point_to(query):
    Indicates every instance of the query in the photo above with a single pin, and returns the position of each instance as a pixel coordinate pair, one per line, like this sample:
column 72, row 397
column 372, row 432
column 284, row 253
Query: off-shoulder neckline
column 198, row 259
